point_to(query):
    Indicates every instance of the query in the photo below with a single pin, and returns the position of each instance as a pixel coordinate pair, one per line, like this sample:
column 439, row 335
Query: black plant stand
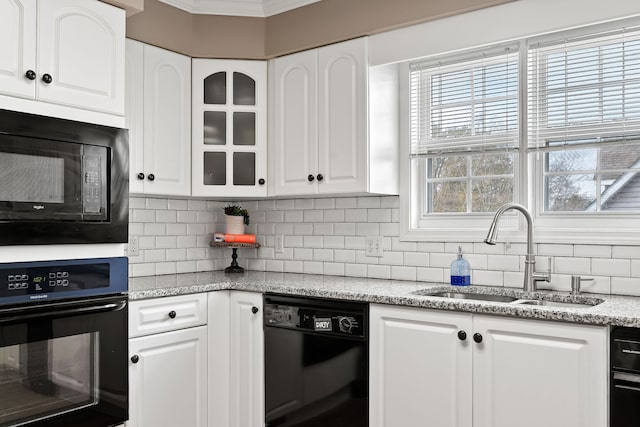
column 234, row 267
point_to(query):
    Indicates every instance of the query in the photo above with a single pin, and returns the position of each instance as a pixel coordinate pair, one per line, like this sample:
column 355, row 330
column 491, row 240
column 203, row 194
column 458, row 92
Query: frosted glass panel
column 215, row 168
column 215, row 127
column 215, row 88
column 244, row 128
column 244, row 168
column 244, row 89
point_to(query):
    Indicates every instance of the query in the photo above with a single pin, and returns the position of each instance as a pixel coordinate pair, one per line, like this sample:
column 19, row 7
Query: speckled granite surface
column 613, row 310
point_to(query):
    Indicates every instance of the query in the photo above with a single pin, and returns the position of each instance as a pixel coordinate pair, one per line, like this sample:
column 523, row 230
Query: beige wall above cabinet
column 229, row 141
column 65, row 52
column 159, row 120
column 320, row 141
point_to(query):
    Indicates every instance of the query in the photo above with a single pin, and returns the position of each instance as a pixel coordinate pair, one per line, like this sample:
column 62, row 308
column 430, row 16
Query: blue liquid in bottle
column 460, row 271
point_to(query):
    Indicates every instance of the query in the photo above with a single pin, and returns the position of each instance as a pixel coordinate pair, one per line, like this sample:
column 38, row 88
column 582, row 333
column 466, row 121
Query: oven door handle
column 64, row 312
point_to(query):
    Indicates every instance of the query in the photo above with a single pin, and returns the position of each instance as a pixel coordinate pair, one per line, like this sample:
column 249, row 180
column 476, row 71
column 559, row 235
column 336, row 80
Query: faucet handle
column 576, row 281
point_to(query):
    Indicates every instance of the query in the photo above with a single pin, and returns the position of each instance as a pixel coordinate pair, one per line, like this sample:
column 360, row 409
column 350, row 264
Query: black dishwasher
column 625, row 377
column 316, row 362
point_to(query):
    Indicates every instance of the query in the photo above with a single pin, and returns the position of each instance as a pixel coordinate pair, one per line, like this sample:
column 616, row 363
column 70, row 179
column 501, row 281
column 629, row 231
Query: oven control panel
column 44, row 280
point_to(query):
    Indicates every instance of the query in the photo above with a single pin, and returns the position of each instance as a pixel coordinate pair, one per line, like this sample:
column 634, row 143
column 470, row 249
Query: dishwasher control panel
column 343, row 319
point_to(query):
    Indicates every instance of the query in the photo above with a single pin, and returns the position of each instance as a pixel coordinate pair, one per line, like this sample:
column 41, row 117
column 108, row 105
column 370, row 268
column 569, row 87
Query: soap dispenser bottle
column 460, row 270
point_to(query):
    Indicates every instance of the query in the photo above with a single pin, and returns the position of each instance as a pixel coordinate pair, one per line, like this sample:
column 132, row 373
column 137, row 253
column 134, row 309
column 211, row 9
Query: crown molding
column 253, row 8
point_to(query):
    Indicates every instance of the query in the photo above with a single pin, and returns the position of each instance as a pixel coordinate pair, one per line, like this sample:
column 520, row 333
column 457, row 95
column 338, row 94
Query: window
column 553, row 123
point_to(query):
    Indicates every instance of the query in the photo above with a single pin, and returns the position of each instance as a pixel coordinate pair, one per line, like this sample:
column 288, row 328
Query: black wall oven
column 62, row 181
column 63, row 343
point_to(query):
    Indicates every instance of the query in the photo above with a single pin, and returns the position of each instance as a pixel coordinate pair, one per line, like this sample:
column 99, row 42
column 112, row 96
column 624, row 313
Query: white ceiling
column 256, row 8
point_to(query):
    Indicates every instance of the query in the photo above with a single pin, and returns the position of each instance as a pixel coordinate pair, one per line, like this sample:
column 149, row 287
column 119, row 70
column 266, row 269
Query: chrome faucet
column 531, row 276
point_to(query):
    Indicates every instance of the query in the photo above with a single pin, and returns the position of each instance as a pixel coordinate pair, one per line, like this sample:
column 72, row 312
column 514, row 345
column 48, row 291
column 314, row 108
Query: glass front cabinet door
column 229, row 128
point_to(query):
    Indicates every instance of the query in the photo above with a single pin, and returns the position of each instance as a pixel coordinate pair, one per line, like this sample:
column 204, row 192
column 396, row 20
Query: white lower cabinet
column 168, row 365
column 448, row 369
column 236, row 359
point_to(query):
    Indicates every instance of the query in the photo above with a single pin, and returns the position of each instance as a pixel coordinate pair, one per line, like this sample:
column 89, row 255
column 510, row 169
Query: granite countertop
column 614, row 310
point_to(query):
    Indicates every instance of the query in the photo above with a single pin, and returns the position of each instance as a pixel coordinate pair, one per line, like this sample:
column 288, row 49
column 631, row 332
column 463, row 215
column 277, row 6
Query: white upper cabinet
column 18, row 47
column 66, row 52
column 158, row 116
column 229, row 128
column 320, row 137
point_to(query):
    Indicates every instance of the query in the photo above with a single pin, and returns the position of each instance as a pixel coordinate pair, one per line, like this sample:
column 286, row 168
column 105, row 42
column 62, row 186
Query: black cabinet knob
column 254, row 310
column 261, row 181
column 135, row 358
column 310, row 178
column 30, row 74
column 477, row 337
column 47, row 78
column 462, row 335
column 172, row 314
column 151, row 177
column 320, row 177
column 140, row 175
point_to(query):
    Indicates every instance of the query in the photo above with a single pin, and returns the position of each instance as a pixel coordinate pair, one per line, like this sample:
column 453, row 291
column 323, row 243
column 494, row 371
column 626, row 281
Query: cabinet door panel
column 420, row 369
column 134, row 112
column 168, row 384
column 246, row 360
column 18, row 47
column 532, row 373
column 167, row 122
column 82, row 47
column 296, row 138
column 229, row 128
column 342, row 124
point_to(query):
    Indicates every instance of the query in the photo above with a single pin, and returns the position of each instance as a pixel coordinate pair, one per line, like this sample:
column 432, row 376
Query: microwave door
column 39, row 179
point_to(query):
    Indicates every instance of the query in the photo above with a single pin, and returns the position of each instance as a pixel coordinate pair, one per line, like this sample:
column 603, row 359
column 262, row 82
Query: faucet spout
column 530, row 275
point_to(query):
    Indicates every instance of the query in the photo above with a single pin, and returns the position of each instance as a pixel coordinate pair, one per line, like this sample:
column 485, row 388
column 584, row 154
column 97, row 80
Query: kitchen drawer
column 157, row 315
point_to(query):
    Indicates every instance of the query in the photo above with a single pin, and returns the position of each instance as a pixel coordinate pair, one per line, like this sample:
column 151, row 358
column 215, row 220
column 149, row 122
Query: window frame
column 550, row 227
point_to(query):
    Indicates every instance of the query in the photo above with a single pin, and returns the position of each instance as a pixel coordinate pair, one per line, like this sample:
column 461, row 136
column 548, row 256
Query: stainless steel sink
column 472, row 296
column 563, row 304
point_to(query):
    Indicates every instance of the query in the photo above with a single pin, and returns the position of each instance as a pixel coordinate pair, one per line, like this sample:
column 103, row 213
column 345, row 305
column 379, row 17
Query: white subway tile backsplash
column 566, row 265
column 323, row 229
column 555, row 250
column 355, row 215
column 379, row 215
column 346, row 203
column 323, row 255
column 334, row 242
column 333, row 269
column 625, row 286
column 632, row 252
column 416, row 259
column 431, row 275
column 592, row 251
column 293, row 216
column 151, row 203
column 368, row 202
column 328, row 236
column 611, row 267
column 329, row 203
column 312, row 267
column 379, row 271
column 346, row 256
column 334, row 215
column 303, row 203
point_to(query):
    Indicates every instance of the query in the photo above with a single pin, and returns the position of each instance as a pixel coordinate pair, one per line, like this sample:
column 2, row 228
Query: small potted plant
column 237, row 218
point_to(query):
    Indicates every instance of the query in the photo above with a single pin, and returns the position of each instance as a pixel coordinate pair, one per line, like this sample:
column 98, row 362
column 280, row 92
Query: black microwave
column 62, row 181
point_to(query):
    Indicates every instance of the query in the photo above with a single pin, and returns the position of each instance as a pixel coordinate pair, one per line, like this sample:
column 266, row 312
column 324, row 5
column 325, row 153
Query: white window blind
column 584, row 90
column 465, row 106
